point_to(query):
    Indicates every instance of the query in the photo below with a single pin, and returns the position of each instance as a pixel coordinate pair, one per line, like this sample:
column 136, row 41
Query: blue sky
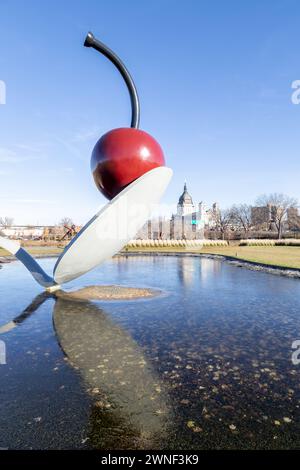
column 214, row 80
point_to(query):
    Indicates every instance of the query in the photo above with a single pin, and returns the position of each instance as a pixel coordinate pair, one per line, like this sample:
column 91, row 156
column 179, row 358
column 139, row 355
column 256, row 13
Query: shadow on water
column 129, row 407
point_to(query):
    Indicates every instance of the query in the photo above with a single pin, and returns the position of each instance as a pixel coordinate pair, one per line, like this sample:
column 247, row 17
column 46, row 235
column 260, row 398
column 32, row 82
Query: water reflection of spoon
column 130, row 408
column 131, row 404
column 29, row 310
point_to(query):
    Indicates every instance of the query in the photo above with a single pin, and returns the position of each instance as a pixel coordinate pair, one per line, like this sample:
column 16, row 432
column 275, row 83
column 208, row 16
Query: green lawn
column 287, row 256
column 37, row 250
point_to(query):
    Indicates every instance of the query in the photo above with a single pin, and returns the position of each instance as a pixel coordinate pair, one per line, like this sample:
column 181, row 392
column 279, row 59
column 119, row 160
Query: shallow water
column 205, row 365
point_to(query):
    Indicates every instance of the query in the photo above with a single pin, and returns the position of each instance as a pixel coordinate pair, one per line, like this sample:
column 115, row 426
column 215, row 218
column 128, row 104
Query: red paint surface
column 121, row 156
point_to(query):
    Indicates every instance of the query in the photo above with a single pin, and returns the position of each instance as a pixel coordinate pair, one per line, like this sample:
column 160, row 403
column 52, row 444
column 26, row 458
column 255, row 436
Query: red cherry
column 121, row 156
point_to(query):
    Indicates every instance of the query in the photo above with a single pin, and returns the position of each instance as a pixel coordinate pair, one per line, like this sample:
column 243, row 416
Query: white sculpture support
column 28, row 261
column 104, row 235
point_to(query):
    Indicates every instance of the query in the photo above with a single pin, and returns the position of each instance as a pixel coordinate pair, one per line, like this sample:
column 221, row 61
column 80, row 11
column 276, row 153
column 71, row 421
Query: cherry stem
column 91, row 41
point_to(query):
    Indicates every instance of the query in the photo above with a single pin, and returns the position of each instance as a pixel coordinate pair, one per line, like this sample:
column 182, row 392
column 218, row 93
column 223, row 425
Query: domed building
column 185, row 204
column 188, row 222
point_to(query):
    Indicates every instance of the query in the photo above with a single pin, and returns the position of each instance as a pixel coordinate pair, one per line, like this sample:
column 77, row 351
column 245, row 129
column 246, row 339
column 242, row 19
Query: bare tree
column 66, row 221
column 241, row 216
column 279, row 205
column 6, row 222
column 222, row 219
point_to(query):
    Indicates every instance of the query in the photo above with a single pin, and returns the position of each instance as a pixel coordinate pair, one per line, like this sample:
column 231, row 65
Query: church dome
column 185, row 197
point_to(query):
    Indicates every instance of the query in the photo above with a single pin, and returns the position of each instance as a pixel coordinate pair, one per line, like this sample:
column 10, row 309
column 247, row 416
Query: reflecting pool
column 206, row 364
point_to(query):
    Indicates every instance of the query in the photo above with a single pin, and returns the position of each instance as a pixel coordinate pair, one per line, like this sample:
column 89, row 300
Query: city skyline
column 222, row 110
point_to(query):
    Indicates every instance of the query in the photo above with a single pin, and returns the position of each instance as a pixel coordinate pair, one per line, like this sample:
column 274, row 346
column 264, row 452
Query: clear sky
column 214, row 79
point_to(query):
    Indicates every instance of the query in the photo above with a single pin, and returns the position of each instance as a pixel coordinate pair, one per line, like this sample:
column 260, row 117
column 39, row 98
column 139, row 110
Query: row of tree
column 7, row 222
column 240, row 217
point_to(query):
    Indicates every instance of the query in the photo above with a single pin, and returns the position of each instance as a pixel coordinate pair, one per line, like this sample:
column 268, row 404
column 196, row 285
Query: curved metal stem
column 91, row 41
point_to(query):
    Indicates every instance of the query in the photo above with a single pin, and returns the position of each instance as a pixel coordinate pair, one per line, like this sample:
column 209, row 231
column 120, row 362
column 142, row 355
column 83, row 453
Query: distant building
column 264, row 217
column 261, row 216
column 185, row 204
column 188, row 222
column 41, row 232
column 22, row 232
column 293, row 219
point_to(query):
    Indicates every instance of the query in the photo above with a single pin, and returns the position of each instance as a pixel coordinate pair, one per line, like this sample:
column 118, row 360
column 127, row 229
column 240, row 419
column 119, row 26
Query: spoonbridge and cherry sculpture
column 129, row 169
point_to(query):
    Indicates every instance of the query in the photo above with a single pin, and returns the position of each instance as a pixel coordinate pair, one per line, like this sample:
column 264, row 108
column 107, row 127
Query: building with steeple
column 185, row 204
column 187, row 224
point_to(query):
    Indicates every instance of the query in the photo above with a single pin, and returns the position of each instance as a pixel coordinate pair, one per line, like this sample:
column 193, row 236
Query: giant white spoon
column 104, row 235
